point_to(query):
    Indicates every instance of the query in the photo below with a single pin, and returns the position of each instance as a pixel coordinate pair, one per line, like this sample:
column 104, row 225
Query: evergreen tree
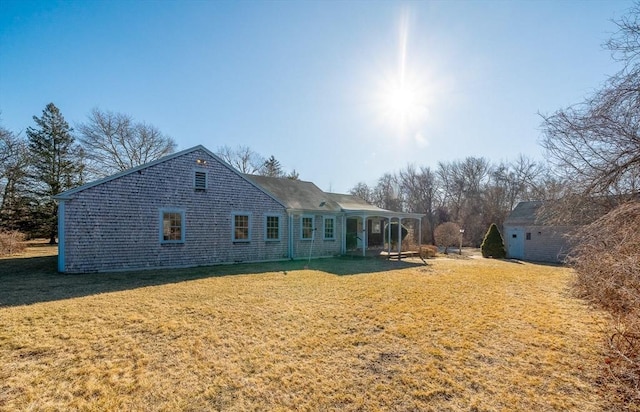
column 493, row 245
column 293, row 175
column 272, row 168
column 56, row 164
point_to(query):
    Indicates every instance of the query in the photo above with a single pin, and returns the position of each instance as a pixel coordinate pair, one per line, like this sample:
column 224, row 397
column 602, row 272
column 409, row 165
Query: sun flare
column 402, row 103
column 401, row 94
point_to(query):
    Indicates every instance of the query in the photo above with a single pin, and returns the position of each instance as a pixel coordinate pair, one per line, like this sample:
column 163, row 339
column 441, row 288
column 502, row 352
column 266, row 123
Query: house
column 530, row 235
column 191, row 208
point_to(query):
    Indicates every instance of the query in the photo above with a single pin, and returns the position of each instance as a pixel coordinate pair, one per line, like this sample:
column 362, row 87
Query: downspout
column 61, row 236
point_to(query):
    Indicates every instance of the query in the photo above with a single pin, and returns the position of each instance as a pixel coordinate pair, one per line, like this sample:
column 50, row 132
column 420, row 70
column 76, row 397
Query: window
column 528, row 235
column 172, row 226
column 272, row 227
column 241, row 227
column 200, row 180
column 329, row 227
column 307, row 228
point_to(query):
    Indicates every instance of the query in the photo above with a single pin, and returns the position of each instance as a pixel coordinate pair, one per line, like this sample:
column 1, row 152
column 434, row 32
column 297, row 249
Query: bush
column 447, row 234
column 607, row 264
column 428, row 251
column 11, row 242
column 493, row 245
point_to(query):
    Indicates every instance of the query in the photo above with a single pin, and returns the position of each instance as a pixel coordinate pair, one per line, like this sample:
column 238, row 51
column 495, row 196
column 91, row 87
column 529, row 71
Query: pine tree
column 493, row 245
column 272, row 168
column 56, row 164
column 293, row 175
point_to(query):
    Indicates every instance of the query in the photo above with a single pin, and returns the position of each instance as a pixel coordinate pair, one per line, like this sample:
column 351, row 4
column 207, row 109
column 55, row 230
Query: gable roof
column 67, row 195
column 525, row 213
column 297, row 194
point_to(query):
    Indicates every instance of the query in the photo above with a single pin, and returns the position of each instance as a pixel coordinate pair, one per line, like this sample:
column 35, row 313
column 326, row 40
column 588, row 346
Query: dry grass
column 349, row 335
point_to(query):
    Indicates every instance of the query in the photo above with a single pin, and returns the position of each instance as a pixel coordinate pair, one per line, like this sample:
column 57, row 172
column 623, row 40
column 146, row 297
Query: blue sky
column 341, row 91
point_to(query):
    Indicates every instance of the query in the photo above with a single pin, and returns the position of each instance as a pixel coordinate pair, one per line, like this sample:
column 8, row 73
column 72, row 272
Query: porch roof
column 355, row 206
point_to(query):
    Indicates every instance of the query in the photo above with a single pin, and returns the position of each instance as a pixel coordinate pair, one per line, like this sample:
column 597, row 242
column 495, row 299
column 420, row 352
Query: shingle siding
column 546, row 243
column 319, row 246
column 116, row 225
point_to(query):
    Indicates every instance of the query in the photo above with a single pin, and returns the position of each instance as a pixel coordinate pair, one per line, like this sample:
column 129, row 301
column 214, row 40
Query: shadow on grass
column 25, row 281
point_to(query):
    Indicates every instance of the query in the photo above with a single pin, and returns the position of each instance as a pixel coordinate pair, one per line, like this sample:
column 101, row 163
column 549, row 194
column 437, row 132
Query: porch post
column 399, row 237
column 343, row 236
column 389, row 235
column 364, row 235
column 419, row 234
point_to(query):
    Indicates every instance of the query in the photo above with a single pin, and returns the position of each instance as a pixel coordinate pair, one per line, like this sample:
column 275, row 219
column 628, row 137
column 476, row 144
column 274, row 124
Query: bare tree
column 510, row 183
column 114, row 142
column 386, row 194
column 14, row 163
column 596, row 144
column 462, row 185
column 363, row 191
column 242, row 158
column 420, row 195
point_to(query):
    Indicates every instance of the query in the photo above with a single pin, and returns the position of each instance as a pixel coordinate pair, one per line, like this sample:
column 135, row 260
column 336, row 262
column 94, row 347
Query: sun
column 402, row 96
column 402, row 103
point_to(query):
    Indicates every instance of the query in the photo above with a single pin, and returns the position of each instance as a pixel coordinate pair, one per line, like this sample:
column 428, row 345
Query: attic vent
column 200, row 181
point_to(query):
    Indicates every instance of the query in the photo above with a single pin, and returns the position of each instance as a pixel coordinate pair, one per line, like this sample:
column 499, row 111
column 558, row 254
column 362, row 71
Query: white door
column 515, row 242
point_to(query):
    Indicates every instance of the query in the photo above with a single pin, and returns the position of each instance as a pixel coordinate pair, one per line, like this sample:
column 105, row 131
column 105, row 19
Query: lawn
column 344, row 334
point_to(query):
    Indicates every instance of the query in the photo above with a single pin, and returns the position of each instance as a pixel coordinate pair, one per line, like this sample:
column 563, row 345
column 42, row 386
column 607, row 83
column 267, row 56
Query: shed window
column 172, row 226
column 528, row 235
column 200, row 180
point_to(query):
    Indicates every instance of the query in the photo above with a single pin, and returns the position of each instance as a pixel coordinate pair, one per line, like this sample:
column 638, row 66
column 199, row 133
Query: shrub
column 11, row 242
column 607, row 264
column 428, row 251
column 493, row 245
column 447, row 234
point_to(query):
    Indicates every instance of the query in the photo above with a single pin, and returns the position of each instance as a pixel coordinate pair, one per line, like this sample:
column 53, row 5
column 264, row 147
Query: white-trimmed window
column 329, row 225
column 306, row 227
column 272, row 227
column 200, row 180
column 172, row 226
column 241, row 226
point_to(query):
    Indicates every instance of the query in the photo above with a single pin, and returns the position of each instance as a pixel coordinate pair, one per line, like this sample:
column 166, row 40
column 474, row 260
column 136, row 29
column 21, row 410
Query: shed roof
column 525, row 213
